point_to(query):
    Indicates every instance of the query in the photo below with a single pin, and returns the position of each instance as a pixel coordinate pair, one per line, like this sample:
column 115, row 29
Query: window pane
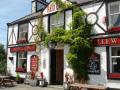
column 116, row 65
column 115, row 20
column 23, row 28
column 114, row 8
column 115, row 51
column 57, row 20
column 22, row 60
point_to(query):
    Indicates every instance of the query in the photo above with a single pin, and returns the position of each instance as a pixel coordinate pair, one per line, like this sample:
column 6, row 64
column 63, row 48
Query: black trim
column 107, row 18
column 108, row 60
column 49, row 23
column 100, row 7
column 42, row 2
column 16, row 60
column 64, row 20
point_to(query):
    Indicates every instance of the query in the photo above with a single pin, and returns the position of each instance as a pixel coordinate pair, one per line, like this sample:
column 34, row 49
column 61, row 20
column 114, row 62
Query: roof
column 82, row 1
column 25, row 18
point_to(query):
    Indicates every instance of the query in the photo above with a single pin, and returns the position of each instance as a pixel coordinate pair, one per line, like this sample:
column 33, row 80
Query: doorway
column 56, row 66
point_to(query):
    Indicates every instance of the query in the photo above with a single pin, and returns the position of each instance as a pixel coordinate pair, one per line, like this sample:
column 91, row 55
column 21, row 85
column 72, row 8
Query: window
column 23, row 31
column 115, row 60
column 114, row 14
column 22, row 62
column 57, row 20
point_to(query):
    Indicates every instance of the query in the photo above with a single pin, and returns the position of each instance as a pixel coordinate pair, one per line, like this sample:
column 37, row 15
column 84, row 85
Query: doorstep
column 56, row 86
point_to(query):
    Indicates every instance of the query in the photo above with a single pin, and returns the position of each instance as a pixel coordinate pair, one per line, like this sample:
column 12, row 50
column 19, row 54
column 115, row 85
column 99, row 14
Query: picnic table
column 78, row 86
column 4, row 80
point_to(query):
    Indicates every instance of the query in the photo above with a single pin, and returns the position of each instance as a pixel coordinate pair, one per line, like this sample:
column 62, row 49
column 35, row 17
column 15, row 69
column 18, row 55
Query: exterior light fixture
column 51, row 44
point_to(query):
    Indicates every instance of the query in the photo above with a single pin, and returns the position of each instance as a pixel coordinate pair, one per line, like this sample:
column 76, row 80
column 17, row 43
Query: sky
column 11, row 10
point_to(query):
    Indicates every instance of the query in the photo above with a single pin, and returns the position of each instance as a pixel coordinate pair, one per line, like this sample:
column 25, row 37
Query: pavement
column 28, row 87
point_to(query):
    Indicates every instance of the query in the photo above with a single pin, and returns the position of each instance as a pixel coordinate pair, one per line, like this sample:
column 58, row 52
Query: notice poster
column 94, row 64
column 34, row 63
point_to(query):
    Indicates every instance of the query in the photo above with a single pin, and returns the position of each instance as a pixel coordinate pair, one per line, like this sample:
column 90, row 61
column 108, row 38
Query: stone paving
column 28, row 87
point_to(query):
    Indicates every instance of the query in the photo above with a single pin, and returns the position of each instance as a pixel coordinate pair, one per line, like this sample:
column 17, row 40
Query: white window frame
column 58, row 24
column 110, row 4
column 110, row 54
column 24, row 31
column 21, row 59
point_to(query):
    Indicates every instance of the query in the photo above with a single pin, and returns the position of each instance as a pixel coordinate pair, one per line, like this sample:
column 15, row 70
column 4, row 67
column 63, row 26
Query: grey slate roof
column 25, row 18
column 36, row 15
column 82, row 1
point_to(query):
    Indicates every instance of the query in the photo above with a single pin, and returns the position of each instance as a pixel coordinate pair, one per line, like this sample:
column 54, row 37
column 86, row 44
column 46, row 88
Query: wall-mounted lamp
column 52, row 44
column 10, row 58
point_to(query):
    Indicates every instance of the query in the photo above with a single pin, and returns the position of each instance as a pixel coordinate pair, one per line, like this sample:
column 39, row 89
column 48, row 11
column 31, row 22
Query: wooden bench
column 8, row 82
column 78, row 86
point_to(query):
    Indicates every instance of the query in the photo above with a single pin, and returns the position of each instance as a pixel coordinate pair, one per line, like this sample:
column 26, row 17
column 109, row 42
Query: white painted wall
column 102, row 78
column 102, row 13
column 11, row 64
column 45, row 23
column 32, row 24
column 11, row 37
column 45, row 55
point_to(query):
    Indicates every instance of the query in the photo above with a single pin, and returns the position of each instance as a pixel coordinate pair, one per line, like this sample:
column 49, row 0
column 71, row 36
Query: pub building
column 104, row 63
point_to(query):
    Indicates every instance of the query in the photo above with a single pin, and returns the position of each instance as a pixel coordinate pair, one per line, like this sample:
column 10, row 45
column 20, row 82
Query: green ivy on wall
column 78, row 39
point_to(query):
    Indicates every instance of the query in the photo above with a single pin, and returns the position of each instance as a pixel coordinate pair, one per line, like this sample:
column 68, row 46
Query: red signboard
column 106, row 41
column 23, row 48
column 34, row 63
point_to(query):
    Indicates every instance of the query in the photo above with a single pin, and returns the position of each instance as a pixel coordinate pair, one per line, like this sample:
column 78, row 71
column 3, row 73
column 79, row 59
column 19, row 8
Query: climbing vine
column 78, row 39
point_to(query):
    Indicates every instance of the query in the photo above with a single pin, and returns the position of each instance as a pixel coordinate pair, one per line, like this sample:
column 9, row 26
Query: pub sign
column 94, row 64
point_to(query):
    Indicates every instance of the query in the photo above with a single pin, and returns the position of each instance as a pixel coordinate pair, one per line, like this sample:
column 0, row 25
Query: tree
column 2, row 59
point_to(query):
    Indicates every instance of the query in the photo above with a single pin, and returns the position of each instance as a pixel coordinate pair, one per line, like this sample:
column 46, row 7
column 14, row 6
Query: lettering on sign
column 106, row 41
column 94, row 64
column 23, row 48
column 52, row 7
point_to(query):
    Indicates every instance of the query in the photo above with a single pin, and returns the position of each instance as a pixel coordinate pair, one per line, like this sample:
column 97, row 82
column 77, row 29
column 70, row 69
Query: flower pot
column 66, row 86
column 33, row 82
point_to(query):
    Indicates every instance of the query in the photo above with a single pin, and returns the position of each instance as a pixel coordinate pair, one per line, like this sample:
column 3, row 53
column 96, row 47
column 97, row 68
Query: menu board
column 94, row 64
column 34, row 63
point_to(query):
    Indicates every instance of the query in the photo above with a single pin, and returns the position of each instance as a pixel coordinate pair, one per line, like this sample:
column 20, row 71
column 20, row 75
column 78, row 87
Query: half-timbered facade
column 105, row 62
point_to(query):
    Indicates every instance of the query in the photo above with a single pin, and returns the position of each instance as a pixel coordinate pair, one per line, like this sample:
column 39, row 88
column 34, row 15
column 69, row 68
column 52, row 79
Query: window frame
column 111, row 74
column 57, row 24
column 24, row 39
column 111, row 27
column 18, row 68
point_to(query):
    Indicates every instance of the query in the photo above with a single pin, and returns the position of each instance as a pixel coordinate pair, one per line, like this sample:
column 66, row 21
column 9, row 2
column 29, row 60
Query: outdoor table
column 4, row 80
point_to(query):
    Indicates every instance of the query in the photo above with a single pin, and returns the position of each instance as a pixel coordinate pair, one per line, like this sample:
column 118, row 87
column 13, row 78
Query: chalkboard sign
column 94, row 64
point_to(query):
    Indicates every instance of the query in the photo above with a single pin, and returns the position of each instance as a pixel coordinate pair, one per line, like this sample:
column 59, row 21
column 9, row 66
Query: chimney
column 34, row 6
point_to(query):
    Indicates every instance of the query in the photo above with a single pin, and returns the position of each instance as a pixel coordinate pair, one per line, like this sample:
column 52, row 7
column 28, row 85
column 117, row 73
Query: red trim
column 114, row 75
column 20, row 70
column 22, row 40
column 23, row 48
column 113, row 29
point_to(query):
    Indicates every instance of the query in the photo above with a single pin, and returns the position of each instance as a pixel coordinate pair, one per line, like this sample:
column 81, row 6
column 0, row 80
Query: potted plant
column 18, row 80
column 33, row 81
